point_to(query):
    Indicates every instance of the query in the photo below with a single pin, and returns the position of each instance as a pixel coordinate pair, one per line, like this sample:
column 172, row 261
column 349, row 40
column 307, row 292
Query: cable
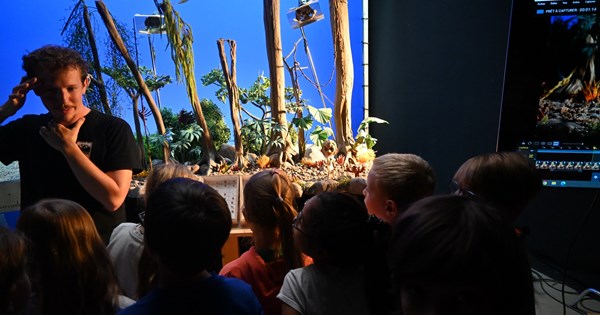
column 552, row 283
column 570, row 248
column 543, row 281
column 581, row 307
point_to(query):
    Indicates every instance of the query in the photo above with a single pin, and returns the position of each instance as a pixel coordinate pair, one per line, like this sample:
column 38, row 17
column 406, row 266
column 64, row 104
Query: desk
column 231, row 249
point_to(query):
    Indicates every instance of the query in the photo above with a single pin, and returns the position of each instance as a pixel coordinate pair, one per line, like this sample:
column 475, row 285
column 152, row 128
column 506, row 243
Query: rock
column 227, row 151
column 314, row 154
column 321, row 186
column 357, row 185
column 346, row 184
column 251, row 158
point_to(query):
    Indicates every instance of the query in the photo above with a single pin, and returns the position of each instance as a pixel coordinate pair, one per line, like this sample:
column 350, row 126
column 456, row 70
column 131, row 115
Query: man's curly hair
column 51, row 58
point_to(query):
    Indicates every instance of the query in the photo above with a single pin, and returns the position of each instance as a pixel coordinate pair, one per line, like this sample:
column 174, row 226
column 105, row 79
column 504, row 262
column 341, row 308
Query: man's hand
column 19, row 93
column 109, row 188
column 60, row 137
column 16, row 99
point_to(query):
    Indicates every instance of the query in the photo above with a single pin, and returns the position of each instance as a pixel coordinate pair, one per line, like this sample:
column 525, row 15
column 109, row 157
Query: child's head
column 70, row 260
column 395, row 181
column 15, row 287
column 332, row 228
column 61, row 231
column 186, row 225
column 159, row 174
column 507, row 180
column 162, row 172
column 269, row 200
column 453, row 252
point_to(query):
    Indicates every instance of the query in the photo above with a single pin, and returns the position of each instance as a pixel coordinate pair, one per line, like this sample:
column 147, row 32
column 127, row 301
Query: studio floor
column 548, row 297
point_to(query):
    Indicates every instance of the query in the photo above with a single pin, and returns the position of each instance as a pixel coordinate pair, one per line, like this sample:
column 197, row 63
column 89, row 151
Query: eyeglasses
column 296, row 223
column 456, row 189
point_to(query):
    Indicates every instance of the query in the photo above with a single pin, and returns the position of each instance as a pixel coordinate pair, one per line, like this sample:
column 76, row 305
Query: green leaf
column 322, row 115
column 278, row 143
column 370, row 141
column 320, row 135
column 369, row 120
column 363, row 125
column 329, row 131
column 304, row 122
column 191, row 133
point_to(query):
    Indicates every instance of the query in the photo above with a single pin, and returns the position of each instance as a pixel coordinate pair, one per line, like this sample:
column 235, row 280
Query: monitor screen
column 551, row 96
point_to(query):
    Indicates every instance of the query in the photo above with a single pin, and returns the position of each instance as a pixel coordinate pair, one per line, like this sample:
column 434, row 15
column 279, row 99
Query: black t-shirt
column 106, row 140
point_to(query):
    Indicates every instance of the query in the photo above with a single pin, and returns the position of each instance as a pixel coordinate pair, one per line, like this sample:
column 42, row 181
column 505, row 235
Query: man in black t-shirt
column 71, row 152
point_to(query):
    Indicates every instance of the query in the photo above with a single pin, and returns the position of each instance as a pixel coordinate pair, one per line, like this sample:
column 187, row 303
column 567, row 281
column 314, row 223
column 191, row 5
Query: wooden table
column 231, row 249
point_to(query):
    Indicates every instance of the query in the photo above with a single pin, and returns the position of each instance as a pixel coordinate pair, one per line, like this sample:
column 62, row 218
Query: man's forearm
column 108, row 190
column 5, row 112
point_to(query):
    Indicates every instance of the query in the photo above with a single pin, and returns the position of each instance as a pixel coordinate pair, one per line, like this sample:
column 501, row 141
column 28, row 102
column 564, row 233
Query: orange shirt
column 265, row 278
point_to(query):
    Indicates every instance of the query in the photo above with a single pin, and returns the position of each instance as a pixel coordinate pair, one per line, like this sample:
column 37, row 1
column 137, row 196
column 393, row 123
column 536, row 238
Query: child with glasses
column 269, row 209
column 506, row 180
column 336, row 231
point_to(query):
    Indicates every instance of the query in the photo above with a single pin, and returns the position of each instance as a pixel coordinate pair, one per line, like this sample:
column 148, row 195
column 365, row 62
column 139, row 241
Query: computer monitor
column 551, row 96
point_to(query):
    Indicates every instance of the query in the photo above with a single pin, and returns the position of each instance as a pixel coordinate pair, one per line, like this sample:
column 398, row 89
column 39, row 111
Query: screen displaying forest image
column 569, row 106
column 551, row 98
column 551, row 87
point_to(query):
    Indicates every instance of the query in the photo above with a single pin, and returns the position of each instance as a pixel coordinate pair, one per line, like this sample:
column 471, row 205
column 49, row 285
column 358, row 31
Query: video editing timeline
column 569, row 7
column 565, row 164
